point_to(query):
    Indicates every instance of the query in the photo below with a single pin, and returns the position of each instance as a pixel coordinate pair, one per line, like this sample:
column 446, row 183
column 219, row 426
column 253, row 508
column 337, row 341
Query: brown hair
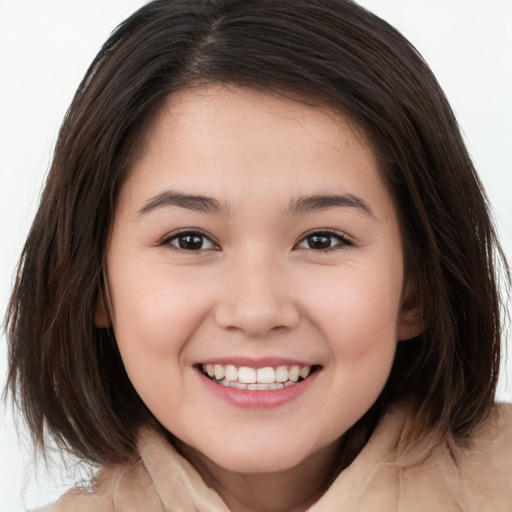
column 67, row 375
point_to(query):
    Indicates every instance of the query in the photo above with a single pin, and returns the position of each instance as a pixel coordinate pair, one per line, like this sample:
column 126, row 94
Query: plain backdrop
column 45, row 48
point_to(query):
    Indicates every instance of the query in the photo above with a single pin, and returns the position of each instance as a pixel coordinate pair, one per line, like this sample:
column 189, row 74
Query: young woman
column 263, row 274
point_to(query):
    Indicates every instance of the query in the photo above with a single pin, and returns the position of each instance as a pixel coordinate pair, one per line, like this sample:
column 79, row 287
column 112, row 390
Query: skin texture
column 256, row 288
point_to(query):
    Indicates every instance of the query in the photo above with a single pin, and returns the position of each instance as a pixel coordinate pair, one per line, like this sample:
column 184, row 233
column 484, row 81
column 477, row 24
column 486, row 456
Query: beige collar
column 392, row 473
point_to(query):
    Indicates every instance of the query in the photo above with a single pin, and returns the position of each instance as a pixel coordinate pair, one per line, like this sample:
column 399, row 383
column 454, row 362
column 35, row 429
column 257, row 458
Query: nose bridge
column 257, row 296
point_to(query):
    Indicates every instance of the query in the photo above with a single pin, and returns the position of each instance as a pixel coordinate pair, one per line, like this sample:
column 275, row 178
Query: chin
column 254, row 459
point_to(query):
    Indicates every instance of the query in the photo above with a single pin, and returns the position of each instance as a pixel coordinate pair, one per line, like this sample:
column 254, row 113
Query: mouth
column 257, row 379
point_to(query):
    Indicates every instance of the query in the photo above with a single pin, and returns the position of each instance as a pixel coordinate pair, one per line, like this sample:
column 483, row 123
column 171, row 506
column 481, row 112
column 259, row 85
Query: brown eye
column 319, row 241
column 191, row 241
column 322, row 241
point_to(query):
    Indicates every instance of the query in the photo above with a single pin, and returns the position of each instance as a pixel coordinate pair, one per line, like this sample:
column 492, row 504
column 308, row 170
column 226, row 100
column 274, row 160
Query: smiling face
column 255, row 241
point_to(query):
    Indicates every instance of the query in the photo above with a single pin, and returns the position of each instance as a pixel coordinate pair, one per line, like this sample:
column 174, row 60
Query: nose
column 257, row 299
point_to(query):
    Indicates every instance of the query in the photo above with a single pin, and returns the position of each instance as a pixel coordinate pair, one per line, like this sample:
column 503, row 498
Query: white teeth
column 219, row 372
column 294, row 373
column 281, row 374
column 265, row 375
column 231, row 373
column 255, row 386
column 304, row 371
column 247, row 375
column 237, row 385
column 256, row 379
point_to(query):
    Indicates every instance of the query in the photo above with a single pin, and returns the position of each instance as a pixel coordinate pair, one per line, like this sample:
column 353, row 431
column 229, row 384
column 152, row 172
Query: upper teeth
column 247, row 375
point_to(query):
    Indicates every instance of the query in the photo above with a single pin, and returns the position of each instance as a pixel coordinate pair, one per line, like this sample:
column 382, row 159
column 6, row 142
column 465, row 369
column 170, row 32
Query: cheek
column 156, row 312
column 358, row 321
column 156, row 301
column 357, row 310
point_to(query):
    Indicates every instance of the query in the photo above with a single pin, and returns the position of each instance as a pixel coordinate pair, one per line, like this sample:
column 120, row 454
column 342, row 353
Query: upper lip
column 256, row 363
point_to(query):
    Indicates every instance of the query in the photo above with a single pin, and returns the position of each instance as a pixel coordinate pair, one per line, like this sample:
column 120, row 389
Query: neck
column 290, row 490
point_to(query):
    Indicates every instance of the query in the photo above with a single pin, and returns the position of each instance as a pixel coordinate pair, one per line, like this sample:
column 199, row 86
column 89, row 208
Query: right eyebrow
column 170, row 198
column 319, row 202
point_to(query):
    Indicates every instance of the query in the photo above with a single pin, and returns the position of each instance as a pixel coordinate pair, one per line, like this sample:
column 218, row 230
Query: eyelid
column 166, row 240
column 345, row 240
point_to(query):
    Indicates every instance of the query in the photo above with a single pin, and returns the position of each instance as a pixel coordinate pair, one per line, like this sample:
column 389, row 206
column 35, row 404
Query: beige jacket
column 389, row 475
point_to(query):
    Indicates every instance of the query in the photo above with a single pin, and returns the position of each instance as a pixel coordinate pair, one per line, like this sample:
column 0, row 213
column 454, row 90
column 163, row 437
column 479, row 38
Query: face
column 256, row 274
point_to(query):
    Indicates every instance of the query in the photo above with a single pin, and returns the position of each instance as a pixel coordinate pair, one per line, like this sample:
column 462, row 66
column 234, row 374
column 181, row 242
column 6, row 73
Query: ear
column 101, row 318
column 410, row 319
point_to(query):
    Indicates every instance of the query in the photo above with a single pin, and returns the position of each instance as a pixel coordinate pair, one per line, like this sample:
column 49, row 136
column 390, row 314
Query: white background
column 46, row 46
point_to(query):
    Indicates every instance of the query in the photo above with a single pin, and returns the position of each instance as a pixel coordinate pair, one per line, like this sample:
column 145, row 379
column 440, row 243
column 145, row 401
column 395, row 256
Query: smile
column 256, row 379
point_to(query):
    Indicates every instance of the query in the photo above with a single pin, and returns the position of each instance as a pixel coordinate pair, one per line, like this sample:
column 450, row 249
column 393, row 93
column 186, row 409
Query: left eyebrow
column 318, row 202
column 171, row 198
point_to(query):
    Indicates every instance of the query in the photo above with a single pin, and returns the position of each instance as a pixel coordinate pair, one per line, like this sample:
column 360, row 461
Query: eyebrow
column 318, row 202
column 300, row 206
column 196, row 203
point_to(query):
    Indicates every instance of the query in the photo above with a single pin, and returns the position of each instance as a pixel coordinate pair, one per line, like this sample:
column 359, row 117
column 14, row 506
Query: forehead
column 207, row 111
column 220, row 139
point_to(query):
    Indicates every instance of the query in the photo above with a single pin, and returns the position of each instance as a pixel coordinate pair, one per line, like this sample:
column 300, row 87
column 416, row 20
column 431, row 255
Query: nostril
column 257, row 319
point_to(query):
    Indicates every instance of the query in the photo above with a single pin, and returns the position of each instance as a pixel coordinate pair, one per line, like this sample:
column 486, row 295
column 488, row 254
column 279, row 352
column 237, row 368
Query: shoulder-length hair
column 67, row 375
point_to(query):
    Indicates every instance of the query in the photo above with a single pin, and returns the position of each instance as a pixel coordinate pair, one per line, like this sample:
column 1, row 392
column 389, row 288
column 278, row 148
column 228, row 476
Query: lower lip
column 254, row 399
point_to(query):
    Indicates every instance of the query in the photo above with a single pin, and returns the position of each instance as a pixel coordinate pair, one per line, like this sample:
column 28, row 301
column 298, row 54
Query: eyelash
column 188, row 233
column 343, row 240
